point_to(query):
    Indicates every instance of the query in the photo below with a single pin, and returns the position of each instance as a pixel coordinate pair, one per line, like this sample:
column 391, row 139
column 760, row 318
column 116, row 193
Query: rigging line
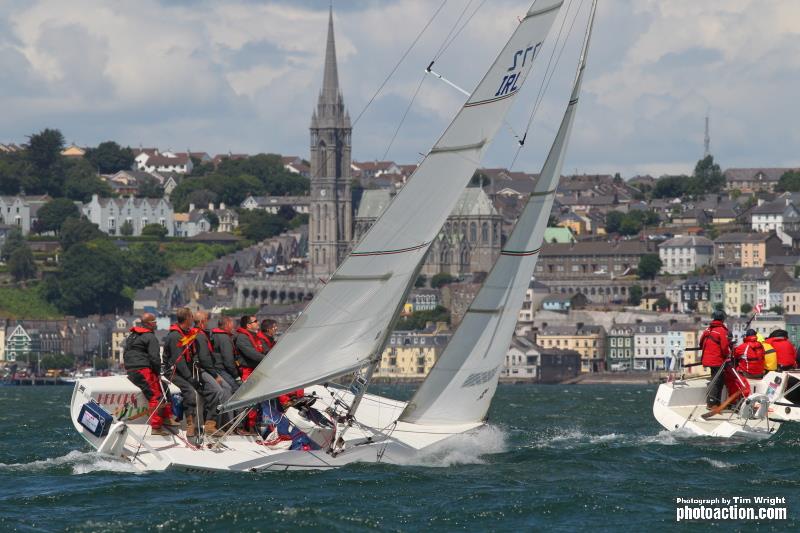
column 402, row 58
column 460, row 29
column 403, row 119
column 546, row 80
column 444, row 41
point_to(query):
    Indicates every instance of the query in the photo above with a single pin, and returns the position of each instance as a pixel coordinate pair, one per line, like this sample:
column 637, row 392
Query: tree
column 649, row 265
column 76, row 230
column 259, row 225
column 109, row 157
column 81, row 181
column 149, row 187
column 44, row 153
column 421, row 281
column 614, row 221
column 14, row 240
column 126, row 229
column 15, row 169
column 789, row 181
column 201, row 198
column 635, row 295
column 671, row 186
column 21, row 264
column 144, row 263
column 663, row 303
column 90, row 280
column 286, row 212
column 53, row 214
column 419, row 319
column 441, row 279
column 746, row 308
column 777, row 309
column 707, row 178
column 155, row 230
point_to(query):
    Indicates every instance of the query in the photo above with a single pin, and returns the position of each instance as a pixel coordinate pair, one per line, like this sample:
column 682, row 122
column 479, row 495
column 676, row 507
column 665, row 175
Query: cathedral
column 469, row 242
column 330, row 228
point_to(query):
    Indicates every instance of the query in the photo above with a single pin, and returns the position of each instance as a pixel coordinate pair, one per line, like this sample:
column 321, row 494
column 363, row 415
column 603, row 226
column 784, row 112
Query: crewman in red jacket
column 784, row 349
column 715, row 347
column 750, row 356
column 142, row 359
column 251, row 351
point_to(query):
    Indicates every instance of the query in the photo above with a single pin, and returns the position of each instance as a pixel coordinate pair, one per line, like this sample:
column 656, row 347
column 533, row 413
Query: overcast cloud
column 244, row 76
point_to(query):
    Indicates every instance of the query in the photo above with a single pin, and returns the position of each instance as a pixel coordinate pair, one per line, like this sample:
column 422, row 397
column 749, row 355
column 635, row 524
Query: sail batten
column 462, row 382
column 345, row 325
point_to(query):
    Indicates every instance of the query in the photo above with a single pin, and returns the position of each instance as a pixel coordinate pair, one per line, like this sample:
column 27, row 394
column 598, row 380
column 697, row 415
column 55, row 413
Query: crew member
column 785, row 352
column 215, row 389
column 267, row 332
column 750, row 356
column 224, row 352
column 715, row 347
column 251, row 351
column 770, row 356
column 142, row 360
column 179, row 352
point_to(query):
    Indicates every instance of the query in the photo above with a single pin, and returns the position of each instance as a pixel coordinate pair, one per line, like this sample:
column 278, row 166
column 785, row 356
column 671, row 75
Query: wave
column 81, row 463
column 466, row 448
column 716, row 463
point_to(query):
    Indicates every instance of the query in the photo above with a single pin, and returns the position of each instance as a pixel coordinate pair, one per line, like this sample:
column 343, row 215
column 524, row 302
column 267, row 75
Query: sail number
column 509, row 83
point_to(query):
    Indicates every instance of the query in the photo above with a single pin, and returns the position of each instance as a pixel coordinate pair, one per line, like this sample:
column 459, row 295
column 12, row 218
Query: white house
column 111, row 213
column 649, row 345
column 522, row 359
column 779, row 216
column 20, row 211
column 682, row 255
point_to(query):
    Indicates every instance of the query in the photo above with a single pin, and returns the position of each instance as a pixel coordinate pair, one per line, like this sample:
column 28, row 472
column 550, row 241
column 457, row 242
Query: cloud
column 244, row 75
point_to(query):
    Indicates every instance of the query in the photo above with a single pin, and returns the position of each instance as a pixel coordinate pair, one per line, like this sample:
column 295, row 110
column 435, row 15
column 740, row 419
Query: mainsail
column 460, row 386
column 344, row 328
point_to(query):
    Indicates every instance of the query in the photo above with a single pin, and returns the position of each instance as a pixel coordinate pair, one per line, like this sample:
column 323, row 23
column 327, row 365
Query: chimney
column 191, row 207
column 579, row 326
column 673, row 321
column 210, row 206
column 222, row 205
column 638, row 320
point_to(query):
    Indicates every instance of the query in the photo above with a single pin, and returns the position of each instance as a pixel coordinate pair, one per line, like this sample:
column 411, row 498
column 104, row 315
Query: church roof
column 473, row 202
column 373, row 202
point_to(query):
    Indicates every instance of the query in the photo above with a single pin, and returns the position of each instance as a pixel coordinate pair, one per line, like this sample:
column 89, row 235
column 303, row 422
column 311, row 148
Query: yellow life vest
column 770, row 357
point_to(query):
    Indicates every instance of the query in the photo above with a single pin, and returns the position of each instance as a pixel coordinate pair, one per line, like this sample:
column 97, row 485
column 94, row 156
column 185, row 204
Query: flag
column 758, row 308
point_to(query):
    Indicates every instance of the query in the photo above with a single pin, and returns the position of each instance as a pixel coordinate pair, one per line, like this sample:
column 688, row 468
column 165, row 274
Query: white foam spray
column 465, row 448
column 81, row 462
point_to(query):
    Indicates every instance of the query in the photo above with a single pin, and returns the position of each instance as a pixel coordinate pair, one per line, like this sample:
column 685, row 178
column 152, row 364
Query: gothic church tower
column 331, row 218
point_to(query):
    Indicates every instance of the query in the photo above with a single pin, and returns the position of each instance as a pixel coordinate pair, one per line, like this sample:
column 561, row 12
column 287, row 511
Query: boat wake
column 467, row 448
column 569, row 438
column 80, row 462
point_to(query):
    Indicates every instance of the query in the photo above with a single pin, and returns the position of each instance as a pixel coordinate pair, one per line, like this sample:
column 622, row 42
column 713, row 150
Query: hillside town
column 630, row 270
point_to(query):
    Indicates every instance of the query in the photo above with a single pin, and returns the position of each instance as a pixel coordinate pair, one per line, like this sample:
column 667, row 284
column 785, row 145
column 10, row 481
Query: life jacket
column 269, row 341
column 254, row 339
column 750, row 355
column 185, row 341
column 198, row 331
column 140, row 330
column 770, row 356
column 784, row 351
column 714, row 344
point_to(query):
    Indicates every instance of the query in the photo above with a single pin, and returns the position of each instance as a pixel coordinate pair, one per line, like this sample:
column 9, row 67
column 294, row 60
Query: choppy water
column 555, row 458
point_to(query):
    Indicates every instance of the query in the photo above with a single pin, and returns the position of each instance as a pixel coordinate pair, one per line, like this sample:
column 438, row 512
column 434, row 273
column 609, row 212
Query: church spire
column 330, row 81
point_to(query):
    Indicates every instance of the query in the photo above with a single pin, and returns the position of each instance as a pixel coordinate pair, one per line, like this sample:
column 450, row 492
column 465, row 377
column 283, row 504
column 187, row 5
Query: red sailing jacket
column 750, row 356
column 784, row 350
column 714, row 344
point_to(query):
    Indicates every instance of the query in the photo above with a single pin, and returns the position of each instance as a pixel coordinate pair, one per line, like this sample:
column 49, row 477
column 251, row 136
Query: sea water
column 562, row 458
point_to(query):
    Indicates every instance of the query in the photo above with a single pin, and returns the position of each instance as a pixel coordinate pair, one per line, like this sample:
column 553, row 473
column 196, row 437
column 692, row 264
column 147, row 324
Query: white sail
column 460, row 386
column 346, row 324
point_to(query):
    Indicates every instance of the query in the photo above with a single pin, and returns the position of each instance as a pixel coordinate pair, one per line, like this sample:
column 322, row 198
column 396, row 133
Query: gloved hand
column 196, row 384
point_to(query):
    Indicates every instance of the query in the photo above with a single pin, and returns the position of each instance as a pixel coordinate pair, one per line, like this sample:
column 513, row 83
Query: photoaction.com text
column 733, row 508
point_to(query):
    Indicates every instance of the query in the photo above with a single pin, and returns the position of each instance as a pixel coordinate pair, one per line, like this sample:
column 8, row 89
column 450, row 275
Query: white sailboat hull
column 377, row 437
column 678, row 406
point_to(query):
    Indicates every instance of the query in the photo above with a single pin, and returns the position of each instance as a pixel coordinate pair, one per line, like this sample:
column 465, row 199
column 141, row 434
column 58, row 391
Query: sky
column 244, row 75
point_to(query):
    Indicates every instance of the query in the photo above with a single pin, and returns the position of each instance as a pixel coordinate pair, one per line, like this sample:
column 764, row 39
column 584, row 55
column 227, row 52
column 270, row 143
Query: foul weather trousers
column 715, row 392
column 150, row 384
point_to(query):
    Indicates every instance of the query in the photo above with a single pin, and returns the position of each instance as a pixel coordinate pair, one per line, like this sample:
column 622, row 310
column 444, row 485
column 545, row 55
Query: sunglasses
column 253, row 322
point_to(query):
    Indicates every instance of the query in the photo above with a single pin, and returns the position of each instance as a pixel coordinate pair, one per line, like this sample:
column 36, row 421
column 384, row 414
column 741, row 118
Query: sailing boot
column 191, row 428
column 210, row 427
column 170, row 421
column 159, row 431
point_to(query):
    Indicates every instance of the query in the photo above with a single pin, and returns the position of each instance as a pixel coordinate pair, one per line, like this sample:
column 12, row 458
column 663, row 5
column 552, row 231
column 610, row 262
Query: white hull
column 678, row 406
column 376, row 437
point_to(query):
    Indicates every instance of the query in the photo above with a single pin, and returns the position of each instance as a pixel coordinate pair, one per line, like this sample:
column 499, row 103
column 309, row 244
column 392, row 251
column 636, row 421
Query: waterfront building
column 522, row 360
column 588, row 341
column 411, row 354
column 619, row 347
column 649, row 345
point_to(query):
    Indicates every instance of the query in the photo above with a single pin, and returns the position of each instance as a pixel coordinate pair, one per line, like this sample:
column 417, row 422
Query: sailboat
column 344, row 329
column 680, row 406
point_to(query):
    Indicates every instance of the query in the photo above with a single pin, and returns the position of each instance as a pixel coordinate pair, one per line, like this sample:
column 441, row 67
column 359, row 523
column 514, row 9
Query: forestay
column 345, row 326
column 460, row 386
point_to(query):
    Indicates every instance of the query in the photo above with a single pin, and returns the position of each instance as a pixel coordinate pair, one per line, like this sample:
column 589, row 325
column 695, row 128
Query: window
column 485, row 232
